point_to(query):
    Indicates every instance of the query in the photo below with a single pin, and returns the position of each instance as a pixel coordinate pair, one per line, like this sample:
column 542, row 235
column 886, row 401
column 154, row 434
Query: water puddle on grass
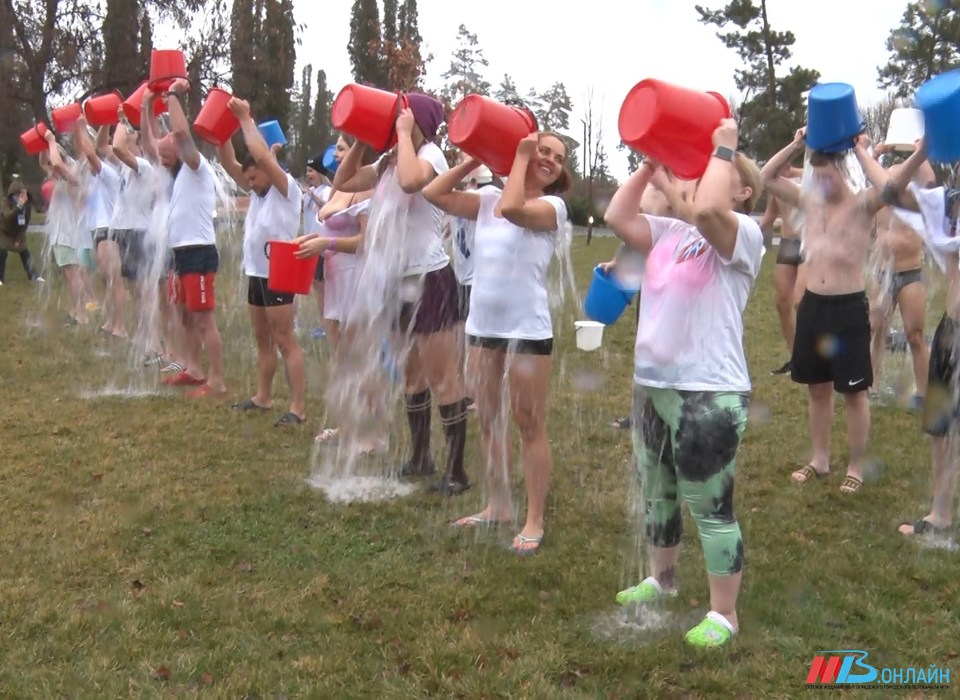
column 360, row 489
column 112, row 392
column 946, row 544
column 632, row 624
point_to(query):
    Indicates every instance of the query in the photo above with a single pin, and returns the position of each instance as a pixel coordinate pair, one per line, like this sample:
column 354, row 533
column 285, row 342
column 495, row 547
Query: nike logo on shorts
column 855, row 383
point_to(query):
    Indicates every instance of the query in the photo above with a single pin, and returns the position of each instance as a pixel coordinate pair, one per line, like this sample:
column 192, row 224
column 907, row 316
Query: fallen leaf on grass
column 404, row 668
column 460, row 614
column 544, row 595
column 161, row 674
column 147, row 531
column 96, row 478
column 178, row 604
column 206, row 679
column 138, row 587
column 182, row 633
column 288, row 638
column 245, row 567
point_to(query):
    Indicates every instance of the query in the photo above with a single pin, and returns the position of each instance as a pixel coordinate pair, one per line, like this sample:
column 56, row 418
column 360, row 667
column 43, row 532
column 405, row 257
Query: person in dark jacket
column 15, row 211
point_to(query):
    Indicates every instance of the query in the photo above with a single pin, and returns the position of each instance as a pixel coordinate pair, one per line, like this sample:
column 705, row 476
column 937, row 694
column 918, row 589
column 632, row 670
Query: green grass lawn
column 155, row 547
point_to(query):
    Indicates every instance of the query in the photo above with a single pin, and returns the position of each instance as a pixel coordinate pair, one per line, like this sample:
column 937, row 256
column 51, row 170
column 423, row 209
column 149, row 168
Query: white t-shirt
column 192, row 203
column 136, row 197
column 108, row 183
column 90, row 184
column 509, row 296
column 310, row 208
column 690, row 336
column 272, row 217
column 423, row 243
column 463, row 234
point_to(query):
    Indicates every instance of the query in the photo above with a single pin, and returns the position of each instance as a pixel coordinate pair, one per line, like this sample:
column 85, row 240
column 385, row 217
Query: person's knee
column 916, row 339
column 784, row 302
column 722, row 545
column 531, row 424
column 820, row 393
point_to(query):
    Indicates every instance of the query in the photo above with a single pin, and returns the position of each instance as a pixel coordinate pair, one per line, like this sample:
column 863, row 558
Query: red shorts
column 196, row 291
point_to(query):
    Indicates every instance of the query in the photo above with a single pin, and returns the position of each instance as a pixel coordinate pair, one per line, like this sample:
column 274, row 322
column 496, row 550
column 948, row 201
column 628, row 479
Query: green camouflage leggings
column 685, row 444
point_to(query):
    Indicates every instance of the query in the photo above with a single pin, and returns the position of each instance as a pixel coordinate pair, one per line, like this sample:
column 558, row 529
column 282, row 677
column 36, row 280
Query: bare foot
column 486, row 518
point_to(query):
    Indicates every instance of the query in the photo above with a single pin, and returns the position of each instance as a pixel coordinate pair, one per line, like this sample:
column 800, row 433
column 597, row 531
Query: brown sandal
column 851, row 484
column 809, row 473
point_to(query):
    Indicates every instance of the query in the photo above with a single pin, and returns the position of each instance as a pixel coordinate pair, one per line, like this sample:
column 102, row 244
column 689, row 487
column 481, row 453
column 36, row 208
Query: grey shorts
column 902, row 280
column 788, row 252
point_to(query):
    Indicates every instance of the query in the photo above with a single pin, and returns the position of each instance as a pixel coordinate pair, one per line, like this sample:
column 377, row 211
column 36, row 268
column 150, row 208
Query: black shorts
column 103, row 234
column 463, row 291
column 196, row 260
column 832, row 342
column 133, row 256
column 940, row 405
column 516, row 345
column 788, row 252
column 318, row 273
column 259, row 294
column 438, row 308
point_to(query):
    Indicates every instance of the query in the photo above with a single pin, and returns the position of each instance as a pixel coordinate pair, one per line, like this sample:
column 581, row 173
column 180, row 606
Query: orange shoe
column 182, row 379
column 206, row 392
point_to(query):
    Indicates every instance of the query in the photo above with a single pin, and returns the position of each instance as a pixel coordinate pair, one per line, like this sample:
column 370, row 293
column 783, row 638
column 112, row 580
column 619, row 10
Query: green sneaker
column 645, row 592
column 713, row 631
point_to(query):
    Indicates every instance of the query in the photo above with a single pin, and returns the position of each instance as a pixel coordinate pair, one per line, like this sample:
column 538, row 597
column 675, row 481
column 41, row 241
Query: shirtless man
column 786, row 278
column 900, row 284
column 832, row 343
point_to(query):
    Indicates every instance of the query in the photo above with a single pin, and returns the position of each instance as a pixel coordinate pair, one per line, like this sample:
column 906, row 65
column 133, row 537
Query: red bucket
column 288, row 274
column 65, row 117
column 368, row 114
column 490, row 131
column 216, row 124
column 46, row 191
column 165, row 67
column 33, row 140
column 102, row 110
column 672, row 125
column 133, row 104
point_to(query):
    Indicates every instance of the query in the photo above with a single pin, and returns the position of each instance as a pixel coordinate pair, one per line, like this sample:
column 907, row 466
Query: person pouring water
column 274, row 214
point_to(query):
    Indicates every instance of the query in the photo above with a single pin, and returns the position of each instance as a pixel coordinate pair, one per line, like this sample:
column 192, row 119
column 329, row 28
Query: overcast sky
column 610, row 45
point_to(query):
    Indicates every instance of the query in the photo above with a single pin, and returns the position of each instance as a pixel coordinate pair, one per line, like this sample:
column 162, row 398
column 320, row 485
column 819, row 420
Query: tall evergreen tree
column 321, row 133
column 404, row 62
column 556, row 108
column 390, row 12
column 277, row 62
column 121, row 32
column 243, row 49
column 146, row 45
column 926, row 43
column 507, row 90
column 304, row 103
column 774, row 106
column 364, row 46
column 463, row 76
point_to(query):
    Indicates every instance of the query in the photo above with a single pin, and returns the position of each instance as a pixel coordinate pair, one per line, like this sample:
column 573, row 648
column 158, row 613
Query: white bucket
column 589, row 334
column 906, row 127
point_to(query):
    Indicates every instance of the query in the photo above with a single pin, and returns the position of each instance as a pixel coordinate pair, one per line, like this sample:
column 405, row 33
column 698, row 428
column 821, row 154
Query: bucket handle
column 266, row 249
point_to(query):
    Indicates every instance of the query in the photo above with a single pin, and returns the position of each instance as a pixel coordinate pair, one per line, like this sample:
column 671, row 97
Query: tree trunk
column 771, row 65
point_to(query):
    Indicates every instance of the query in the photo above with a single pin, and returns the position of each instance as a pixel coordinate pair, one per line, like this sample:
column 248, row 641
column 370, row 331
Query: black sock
column 454, row 419
column 418, row 417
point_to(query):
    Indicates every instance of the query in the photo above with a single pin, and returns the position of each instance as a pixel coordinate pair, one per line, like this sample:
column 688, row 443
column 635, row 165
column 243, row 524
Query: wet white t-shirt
column 690, row 336
column 509, row 296
column 136, row 197
column 272, row 217
column 192, row 203
column 310, row 207
column 423, row 241
column 108, row 184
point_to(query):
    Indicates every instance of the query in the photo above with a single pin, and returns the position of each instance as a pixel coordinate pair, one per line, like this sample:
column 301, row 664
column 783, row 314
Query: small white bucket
column 589, row 335
column 906, row 127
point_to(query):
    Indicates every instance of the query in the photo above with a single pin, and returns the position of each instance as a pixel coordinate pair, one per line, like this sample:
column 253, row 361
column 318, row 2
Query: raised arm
column 532, row 214
column 121, row 147
column 85, row 146
column 442, row 193
column 414, row 174
column 623, row 213
column 56, row 162
column 178, row 123
column 681, row 208
column 352, row 175
column 103, row 141
column 149, row 127
column 712, row 211
column 228, row 159
column 770, row 216
column 263, row 154
column 771, row 173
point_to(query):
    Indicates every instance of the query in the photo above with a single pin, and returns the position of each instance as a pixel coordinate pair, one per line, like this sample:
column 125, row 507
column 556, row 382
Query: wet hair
column 565, row 180
column 750, row 177
column 819, row 158
column 248, row 162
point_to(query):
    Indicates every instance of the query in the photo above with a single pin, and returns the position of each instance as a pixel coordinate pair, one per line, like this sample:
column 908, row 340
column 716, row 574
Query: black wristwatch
column 725, row 153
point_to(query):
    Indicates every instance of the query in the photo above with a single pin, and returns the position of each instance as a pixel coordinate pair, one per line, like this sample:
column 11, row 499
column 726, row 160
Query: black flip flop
column 288, row 418
column 925, row 527
column 248, row 405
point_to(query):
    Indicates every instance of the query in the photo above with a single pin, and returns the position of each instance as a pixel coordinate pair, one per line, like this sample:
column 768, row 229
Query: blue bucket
column 606, row 299
column 330, row 163
column 939, row 100
column 833, row 118
column 272, row 133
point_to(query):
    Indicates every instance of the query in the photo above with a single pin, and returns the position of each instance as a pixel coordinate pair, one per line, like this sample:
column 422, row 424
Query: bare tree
column 594, row 155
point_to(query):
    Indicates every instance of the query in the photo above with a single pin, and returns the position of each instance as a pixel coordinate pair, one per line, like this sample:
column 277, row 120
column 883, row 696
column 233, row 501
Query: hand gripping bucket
column 272, row 133
column 833, row 118
column 34, row 140
column 133, row 105
column 102, row 110
column 65, row 117
column 939, row 100
column 905, row 129
column 368, row 114
column 606, row 300
column 165, row 67
column 672, row 125
column 288, row 274
column 489, row 131
column 216, row 124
